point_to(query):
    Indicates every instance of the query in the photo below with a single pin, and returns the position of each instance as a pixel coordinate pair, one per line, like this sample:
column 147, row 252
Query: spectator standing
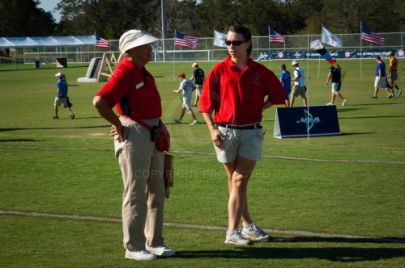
column 235, row 91
column 132, row 89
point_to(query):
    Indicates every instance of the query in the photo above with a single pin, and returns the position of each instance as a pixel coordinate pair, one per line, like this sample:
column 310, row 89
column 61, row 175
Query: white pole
column 308, row 86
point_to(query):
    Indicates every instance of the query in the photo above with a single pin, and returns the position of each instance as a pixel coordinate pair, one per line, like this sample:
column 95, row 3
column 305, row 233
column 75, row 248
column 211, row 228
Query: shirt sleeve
column 116, row 88
column 209, row 100
column 275, row 92
column 181, row 86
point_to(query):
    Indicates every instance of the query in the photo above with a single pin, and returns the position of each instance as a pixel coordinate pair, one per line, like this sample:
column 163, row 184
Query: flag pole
column 361, row 51
column 174, row 54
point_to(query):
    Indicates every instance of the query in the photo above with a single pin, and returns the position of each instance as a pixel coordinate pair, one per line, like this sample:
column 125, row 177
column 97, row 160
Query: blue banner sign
column 306, row 121
column 337, row 54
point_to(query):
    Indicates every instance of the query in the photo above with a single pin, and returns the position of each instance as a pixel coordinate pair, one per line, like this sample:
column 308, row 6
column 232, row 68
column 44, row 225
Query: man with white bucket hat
column 133, row 91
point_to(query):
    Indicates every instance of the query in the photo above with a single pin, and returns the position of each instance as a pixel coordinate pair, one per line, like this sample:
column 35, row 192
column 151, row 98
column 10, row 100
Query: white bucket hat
column 134, row 38
column 294, row 62
column 59, row 74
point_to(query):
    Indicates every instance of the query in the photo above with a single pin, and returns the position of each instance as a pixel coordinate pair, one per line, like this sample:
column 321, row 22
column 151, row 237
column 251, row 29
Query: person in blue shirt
column 186, row 88
column 381, row 79
column 62, row 96
column 285, row 80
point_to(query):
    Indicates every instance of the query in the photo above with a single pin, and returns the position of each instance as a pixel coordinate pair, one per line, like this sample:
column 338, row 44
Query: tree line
column 110, row 18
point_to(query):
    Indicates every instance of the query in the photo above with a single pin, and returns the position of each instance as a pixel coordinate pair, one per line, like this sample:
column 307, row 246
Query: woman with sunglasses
column 236, row 91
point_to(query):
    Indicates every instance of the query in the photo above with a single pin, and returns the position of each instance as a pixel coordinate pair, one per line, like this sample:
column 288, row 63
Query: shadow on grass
column 374, row 116
column 17, row 140
column 47, row 128
column 356, row 133
column 338, row 254
column 375, row 240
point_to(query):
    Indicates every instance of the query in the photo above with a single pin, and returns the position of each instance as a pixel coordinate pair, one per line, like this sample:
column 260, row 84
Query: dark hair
column 245, row 32
column 378, row 58
column 283, row 66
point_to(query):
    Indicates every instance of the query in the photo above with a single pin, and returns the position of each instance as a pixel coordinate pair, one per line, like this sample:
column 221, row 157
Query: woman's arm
column 216, row 136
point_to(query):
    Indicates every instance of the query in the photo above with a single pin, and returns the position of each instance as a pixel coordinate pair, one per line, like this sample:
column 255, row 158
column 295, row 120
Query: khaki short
column 198, row 89
column 186, row 103
column 298, row 91
column 246, row 143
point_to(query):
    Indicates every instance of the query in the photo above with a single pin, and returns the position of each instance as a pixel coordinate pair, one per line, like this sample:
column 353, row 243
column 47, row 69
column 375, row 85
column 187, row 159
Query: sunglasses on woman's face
column 235, row 43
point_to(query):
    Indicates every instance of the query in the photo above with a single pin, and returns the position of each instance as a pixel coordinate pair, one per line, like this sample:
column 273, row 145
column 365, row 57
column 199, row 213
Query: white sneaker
column 161, row 251
column 139, row 255
column 344, row 102
column 255, row 233
column 194, row 122
column 235, row 237
column 329, row 104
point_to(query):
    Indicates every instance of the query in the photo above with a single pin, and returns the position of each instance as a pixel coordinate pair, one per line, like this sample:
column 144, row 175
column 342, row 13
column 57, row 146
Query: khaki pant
column 144, row 195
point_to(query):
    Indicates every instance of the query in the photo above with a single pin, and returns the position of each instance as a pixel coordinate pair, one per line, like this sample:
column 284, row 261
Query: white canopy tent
column 49, row 41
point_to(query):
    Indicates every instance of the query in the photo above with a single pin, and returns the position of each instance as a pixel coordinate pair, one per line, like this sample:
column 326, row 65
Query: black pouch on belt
column 155, row 132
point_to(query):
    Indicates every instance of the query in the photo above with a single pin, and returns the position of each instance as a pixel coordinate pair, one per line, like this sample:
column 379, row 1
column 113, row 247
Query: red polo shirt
column 133, row 90
column 237, row 96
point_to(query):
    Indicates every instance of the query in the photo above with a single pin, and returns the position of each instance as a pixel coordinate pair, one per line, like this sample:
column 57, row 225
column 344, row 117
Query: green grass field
column 330, row 201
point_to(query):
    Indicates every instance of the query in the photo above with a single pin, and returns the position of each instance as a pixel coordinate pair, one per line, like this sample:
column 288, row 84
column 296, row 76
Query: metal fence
column 296, row 46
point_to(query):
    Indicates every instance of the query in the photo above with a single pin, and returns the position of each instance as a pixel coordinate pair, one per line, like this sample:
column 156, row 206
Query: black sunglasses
column 235, row 43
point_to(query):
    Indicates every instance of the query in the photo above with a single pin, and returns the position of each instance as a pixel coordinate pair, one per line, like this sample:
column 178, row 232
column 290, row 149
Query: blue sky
column 49, row 5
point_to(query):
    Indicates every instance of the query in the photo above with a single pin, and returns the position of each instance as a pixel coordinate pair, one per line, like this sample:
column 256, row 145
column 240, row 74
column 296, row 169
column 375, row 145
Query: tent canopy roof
column 49, row 41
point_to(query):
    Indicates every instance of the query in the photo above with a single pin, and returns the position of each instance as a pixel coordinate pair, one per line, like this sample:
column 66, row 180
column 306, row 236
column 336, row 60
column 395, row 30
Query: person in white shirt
column 186, row 88
column 299, row 88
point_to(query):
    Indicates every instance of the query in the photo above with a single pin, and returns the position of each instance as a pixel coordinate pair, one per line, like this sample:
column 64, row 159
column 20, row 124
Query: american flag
column 186, row 40
column 371, row 37
column 275, row 37
column 101, row 42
